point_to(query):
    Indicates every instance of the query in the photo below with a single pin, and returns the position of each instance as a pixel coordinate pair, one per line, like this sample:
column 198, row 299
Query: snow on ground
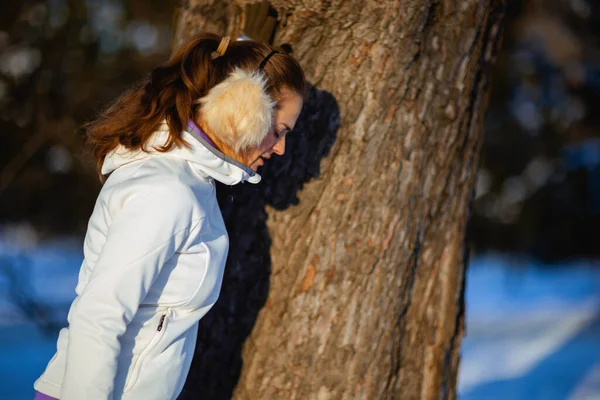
column 48, row 274
column 589, row 388
column 24, row 353
column 532, row 333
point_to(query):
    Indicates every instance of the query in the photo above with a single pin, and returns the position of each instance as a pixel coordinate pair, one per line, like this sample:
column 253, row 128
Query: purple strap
column 198, row 131
column 42, row 396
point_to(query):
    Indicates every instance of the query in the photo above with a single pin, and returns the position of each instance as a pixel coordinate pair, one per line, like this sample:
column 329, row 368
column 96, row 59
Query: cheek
column 268, row 142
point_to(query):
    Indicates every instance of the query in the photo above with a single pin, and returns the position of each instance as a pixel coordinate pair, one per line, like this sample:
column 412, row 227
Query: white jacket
column 154, row 255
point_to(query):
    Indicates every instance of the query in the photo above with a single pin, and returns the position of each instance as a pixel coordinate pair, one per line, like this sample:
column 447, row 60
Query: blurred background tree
column 61, row 61
column 538, row 190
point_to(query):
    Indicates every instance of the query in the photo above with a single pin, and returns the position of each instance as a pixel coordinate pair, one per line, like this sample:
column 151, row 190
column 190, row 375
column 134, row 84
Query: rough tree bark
column 367, row 265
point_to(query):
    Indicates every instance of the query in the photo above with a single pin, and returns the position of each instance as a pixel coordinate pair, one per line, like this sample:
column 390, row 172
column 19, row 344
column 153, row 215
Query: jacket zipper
column 162, row 321
column 130, row 381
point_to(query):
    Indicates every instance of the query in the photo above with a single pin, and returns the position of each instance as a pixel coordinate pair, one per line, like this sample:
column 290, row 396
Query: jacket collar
column 201, row 154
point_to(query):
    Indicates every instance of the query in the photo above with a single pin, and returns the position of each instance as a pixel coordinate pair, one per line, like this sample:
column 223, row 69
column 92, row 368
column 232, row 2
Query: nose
column 279, row 147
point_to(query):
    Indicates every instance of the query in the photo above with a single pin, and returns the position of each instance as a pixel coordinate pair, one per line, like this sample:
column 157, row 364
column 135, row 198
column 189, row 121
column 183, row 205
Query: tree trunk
column 366, row 265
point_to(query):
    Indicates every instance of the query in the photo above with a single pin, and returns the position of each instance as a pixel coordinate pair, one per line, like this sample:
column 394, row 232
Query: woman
column 156, row 243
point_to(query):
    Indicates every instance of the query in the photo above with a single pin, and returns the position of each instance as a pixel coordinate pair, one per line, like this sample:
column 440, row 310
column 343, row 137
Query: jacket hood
column 201, row 154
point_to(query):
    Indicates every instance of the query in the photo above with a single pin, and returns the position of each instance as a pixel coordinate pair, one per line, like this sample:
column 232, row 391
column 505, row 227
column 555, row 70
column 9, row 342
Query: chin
column 257, row 164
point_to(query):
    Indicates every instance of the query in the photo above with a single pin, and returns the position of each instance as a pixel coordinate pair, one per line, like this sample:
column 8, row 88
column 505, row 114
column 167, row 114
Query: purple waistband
column 42, row 396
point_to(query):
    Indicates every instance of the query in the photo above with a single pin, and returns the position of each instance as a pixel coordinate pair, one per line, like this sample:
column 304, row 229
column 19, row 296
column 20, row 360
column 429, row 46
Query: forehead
column 289, row 105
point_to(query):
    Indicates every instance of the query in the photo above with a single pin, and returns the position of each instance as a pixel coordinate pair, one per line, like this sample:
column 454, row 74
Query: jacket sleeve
column 144, row 233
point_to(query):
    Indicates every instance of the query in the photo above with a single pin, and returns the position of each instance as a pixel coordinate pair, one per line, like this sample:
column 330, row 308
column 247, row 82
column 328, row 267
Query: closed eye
column 281, row 133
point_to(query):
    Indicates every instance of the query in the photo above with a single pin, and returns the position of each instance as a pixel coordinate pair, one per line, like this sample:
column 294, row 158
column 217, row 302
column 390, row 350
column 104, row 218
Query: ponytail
column 167, row 94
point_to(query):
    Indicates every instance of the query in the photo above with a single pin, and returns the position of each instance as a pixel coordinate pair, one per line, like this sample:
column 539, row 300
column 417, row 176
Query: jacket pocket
column 159, row 332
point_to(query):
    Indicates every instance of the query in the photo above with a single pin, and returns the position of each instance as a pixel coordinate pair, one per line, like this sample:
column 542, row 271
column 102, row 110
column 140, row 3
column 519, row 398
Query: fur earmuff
column 239, row 110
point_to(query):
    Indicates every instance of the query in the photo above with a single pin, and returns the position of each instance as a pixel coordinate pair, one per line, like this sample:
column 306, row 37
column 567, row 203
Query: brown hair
column 171, row 89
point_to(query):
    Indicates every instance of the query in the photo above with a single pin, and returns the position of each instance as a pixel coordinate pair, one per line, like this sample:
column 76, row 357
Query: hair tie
column 221, row 49
column 264, row 62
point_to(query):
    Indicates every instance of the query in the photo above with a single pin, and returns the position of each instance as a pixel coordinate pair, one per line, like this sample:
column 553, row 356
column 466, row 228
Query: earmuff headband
column 264, row 62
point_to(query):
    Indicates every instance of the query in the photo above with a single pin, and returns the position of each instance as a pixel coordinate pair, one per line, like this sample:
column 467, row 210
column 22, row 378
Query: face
column 287, row 110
